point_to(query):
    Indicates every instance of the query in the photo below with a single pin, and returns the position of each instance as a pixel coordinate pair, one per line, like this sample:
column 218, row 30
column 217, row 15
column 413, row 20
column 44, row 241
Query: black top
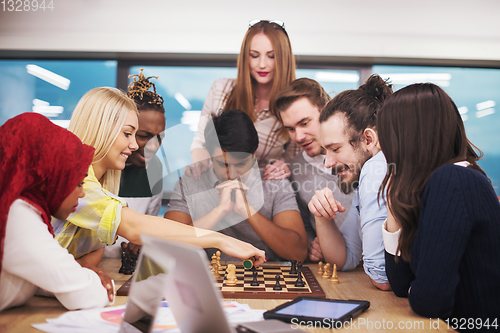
column 134, row 181
column 455, row 266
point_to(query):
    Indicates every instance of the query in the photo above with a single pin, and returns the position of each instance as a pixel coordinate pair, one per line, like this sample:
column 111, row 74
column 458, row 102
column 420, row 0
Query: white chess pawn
column 320, row 270
column 326, row 273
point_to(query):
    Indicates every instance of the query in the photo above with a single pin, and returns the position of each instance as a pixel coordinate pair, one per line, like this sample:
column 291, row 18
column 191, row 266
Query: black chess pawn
column 299, row 282
column 293, row 269
column 277, row 286
column 254, row 282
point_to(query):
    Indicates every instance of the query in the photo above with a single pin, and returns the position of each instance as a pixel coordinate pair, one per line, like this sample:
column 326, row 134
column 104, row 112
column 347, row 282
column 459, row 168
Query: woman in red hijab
column 42, row 167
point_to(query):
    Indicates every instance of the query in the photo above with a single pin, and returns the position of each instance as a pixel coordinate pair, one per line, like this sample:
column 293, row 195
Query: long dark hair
column 419, row 129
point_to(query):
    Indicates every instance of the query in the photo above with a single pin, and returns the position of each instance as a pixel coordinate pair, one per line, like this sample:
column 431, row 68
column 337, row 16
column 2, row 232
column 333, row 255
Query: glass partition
column 184, row 90
column 476, row 92
column 50, row 87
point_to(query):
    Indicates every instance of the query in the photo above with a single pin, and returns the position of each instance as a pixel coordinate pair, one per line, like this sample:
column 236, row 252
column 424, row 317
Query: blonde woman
column 107, row 120
column 266, row 64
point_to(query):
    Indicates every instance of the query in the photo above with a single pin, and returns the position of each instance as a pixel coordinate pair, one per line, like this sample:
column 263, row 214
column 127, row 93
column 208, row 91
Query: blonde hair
column 97, row 120
column 242, row 95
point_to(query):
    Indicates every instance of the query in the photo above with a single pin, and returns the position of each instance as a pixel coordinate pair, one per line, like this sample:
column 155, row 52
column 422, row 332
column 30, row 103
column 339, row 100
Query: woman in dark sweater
column 442, row 234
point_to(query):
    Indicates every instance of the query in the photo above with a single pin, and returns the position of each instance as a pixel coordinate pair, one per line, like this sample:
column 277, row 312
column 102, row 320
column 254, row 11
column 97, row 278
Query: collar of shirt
column 264, row 114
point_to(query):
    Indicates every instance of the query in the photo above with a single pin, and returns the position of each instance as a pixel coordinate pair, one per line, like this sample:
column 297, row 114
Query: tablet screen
column 318, row 309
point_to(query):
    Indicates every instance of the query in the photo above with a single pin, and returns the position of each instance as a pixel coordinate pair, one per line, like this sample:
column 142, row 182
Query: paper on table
column 109, row 319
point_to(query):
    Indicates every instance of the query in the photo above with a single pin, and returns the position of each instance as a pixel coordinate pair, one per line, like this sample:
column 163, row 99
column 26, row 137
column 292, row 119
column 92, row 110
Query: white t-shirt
column 32, row 258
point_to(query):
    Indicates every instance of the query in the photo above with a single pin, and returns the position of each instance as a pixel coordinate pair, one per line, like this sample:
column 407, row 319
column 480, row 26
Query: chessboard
column 266, row 276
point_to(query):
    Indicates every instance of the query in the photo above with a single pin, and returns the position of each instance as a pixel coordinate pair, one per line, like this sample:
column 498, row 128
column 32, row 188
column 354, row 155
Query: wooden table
column 387, row 313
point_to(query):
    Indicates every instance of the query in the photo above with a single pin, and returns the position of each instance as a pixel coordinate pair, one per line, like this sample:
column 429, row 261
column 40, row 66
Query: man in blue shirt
column 349, row 136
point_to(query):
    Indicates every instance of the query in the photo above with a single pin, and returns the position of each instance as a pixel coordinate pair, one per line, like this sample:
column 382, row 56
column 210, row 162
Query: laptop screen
column 145, row 295
column 180, row 273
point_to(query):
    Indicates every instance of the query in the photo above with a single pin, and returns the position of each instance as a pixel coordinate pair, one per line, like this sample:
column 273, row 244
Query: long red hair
column 242, row 95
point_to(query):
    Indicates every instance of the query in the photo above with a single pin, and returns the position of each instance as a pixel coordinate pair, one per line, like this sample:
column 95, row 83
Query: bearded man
column 348, row 134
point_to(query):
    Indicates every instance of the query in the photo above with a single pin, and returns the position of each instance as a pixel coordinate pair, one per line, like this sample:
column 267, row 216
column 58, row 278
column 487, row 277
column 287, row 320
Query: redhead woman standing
column 266, row 65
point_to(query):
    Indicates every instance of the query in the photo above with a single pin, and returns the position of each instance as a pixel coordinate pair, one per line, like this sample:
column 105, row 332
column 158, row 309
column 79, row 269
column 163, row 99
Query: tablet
column 303, row 309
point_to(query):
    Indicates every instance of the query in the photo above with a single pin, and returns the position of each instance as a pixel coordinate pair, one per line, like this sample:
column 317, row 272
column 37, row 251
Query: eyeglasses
column 278, row 23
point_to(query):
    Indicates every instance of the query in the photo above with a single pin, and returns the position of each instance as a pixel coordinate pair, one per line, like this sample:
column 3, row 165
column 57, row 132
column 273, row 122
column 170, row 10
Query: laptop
column 179, row 273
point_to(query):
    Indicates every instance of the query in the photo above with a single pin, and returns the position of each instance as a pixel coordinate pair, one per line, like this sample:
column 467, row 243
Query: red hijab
column 41, row 163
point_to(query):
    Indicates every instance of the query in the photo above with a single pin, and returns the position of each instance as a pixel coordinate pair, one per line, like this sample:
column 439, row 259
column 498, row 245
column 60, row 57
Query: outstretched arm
column 133, row 224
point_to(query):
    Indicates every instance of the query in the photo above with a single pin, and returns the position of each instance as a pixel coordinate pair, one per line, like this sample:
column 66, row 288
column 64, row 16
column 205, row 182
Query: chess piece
column 299, row 267
column 215, row 270
column 320, row 270
column 231, row 275
column 300, row 282
column 277, row 286
column 214, row 260
column 218, row 259
column 334, row 279
column 326, row 273
column 293, row 269
column 122, row 267
column 248, row 264
column 254, row 282
column 123, row 246
column 129, row 259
